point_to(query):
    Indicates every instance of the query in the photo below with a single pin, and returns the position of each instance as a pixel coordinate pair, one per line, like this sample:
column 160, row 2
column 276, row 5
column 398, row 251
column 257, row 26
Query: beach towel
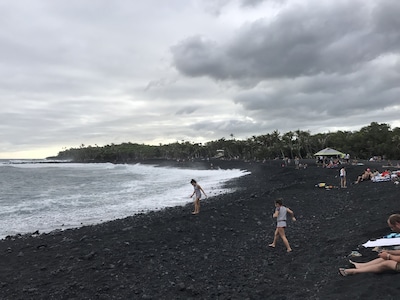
column 324, row 185
column 382, row 242
column 380, row 178
column 392, row 235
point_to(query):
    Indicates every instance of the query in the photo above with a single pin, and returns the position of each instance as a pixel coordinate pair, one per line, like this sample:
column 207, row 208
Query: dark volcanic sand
column 221, row 253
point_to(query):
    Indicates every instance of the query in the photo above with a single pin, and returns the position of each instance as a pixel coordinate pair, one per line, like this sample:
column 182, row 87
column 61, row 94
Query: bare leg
column 281, row 231
column 196, row 206
column 384, row 265
column 276, row 237
column 366, row 264
column 343, row 182
column 194, row 210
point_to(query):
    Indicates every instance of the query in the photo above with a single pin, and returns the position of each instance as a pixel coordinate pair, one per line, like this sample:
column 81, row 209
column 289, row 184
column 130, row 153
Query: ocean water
column 47, row 196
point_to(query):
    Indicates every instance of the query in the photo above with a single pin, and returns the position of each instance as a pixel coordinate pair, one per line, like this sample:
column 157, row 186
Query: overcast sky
column 112, row 71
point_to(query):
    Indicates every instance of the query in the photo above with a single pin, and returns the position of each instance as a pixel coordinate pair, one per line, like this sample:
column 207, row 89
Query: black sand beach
column 223, row 252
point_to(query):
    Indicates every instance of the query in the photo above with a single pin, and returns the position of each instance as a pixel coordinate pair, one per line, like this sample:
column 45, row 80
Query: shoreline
column 221, row 253
column 16, row 225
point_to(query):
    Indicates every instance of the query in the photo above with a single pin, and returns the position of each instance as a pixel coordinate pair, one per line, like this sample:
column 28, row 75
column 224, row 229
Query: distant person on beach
column 281, row 214
column 343, row 177
column 365, row 176
column 297, row 162
column 197, row 190
column 388, row 260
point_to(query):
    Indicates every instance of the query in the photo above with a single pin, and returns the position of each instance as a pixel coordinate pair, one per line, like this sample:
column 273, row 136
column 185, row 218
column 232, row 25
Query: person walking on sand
column 196, row 190
column 343, row 178
column 280, row 214
column 388, row 260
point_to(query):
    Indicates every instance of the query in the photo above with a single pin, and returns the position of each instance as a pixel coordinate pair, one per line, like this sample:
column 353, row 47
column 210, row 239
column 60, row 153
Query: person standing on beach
column 343, row 177
column 388, row 260
column 297, row 162
column 196, row 190
column 280, row 214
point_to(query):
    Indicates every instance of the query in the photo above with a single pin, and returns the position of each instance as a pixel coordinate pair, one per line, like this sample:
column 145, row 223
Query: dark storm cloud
column 197, row 56
column 314, row 65
column 314, row 99
column 301, row 41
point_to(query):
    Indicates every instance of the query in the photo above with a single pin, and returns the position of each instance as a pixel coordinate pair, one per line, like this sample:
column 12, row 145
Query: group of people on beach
column 369, row 175
column 387, row 260
column 377, row 176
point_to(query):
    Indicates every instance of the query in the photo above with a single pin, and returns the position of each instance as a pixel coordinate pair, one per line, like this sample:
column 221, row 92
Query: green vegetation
column 373, row 140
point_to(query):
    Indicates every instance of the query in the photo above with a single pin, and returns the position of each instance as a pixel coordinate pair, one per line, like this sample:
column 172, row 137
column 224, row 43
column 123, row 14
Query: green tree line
column 373, row 140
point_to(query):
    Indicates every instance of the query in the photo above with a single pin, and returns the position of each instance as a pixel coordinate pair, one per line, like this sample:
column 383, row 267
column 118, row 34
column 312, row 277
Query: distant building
column 220, row 153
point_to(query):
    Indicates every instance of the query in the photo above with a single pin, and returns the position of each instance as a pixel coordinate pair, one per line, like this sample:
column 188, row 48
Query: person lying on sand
column 389, row 260
column 365, row 176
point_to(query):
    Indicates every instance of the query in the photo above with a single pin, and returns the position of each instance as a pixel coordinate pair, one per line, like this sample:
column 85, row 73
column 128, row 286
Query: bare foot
column 356, row 265
column 271, row 245
column 343, row 272
column 289, row 250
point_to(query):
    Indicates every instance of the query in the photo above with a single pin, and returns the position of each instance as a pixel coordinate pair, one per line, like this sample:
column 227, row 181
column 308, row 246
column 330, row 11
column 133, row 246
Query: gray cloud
column 301, row 41
column 78, row 72
column 252, row 3
column 315, row 65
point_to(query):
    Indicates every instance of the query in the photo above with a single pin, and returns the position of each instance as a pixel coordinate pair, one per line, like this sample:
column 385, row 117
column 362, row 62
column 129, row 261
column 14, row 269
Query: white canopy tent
column 329, row 152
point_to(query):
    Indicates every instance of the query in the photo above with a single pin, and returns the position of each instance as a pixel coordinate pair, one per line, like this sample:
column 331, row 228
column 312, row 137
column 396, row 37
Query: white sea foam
column 49, row 196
